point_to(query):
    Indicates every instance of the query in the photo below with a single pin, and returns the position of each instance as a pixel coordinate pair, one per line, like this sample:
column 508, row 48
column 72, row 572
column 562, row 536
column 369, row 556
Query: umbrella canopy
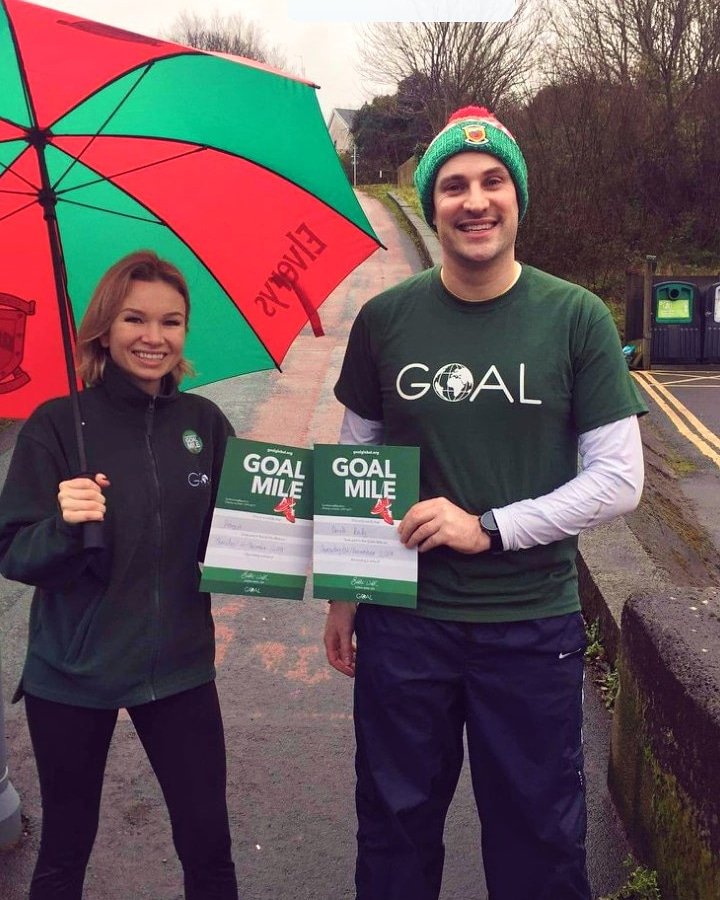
column 112, row 142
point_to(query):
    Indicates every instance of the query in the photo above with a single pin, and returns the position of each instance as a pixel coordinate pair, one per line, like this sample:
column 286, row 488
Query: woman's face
column 147, row 336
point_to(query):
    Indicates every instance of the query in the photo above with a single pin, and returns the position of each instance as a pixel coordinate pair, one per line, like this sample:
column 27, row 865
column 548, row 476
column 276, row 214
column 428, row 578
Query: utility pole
column 650, row 266
column 354, row 162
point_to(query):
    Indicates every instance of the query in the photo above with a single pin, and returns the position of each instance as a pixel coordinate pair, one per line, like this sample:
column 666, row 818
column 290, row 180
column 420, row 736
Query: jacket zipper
column 149, row 422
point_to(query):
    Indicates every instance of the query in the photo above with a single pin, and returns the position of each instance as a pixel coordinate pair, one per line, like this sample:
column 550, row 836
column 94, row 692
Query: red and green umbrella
column 112, row 142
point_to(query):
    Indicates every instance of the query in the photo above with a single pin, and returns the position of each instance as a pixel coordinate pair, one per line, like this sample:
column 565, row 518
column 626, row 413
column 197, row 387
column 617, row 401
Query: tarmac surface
column 689, row 400
column 287, row 714
column 682, row 434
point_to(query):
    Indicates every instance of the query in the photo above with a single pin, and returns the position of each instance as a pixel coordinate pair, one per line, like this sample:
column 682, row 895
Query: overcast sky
column 323, row 53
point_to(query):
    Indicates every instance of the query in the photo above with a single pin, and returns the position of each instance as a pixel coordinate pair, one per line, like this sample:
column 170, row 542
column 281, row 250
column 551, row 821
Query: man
column 501, row 374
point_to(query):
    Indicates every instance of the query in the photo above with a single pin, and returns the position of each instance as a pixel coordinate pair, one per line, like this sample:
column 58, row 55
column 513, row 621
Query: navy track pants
column 516, row 687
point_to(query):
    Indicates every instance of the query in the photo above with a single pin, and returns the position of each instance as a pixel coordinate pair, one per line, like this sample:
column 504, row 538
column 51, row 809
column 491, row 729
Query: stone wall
column 664, row 772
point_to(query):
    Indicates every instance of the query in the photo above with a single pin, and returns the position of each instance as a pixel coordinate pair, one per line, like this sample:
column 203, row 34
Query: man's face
column 476, row 211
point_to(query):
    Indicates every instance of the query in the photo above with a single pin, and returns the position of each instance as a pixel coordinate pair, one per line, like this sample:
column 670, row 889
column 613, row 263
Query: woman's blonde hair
column 106, row 303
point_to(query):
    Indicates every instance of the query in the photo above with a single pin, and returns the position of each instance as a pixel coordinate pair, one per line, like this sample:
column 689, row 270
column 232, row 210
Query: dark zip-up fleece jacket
column 124, row 625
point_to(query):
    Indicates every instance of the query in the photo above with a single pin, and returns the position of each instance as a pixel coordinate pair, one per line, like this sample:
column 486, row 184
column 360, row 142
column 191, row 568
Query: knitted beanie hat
column 471, row 128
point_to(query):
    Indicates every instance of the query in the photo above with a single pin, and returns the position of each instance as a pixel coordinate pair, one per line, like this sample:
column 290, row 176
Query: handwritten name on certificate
column 261, row 534
column 361, row 492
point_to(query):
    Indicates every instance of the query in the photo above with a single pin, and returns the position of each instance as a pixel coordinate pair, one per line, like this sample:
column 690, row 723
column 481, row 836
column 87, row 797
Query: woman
column 124, row 626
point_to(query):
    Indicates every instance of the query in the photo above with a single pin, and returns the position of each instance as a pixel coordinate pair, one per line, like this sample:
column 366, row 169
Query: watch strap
column 489, row 526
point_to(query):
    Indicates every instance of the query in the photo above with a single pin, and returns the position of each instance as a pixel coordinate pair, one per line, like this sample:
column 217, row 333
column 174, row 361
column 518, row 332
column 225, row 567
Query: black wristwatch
column 489, row 526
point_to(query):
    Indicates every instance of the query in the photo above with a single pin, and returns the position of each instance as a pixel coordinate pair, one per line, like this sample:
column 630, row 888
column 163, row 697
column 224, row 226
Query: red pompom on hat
column 471, row 112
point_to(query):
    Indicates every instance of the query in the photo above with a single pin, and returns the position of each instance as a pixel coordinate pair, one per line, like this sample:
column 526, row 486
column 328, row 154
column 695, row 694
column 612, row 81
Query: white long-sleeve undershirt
column 609, row 484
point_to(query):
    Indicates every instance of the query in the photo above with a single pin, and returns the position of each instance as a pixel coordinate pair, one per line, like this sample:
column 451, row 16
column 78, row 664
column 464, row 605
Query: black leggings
column 183, row 738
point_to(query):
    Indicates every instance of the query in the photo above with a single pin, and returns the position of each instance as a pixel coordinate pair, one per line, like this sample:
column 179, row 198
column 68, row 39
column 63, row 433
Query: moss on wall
column 662, row 822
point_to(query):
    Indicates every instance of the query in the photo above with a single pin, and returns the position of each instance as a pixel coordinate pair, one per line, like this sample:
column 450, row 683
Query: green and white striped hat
column 471, row 128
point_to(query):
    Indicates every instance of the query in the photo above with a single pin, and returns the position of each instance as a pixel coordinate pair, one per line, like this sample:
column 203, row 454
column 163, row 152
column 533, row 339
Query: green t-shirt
column 495, row 395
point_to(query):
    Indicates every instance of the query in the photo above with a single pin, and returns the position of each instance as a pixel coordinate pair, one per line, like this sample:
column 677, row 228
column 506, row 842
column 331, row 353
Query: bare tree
column 580, row 138
column 679, row 42
column 668, row 47
column 452, row 64
column 594, row 36
column 226, row 34
column 663, row 58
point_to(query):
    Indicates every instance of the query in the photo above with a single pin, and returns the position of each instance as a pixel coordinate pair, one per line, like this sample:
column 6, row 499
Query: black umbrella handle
column 93, row 532
column 93, row 536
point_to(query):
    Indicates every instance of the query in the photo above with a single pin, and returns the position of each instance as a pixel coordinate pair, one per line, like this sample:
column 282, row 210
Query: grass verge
column 604, row 674
column 640, row 885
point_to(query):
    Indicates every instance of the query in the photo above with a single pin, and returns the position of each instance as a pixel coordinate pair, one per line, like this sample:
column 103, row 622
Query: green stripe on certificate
column 372, row 590
column 258, row 584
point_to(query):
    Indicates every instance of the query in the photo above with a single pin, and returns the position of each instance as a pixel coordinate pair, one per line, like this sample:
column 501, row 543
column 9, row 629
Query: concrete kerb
column 428, row 242
column 612, row 565
column 666, row 730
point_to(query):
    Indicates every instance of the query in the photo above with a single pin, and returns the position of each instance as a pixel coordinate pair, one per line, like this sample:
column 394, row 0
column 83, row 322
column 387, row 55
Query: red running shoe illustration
column 383, row 508
column 285, row 506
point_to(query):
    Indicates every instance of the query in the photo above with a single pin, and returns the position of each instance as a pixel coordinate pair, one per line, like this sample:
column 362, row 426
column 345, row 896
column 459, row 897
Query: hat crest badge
column 475, row 134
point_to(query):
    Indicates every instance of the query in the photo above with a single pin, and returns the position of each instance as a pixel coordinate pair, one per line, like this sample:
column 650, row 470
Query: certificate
column 261, row 534
column 360, row 494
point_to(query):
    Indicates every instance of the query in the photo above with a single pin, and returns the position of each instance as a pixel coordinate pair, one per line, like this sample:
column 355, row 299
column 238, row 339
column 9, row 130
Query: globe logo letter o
column 454, row 382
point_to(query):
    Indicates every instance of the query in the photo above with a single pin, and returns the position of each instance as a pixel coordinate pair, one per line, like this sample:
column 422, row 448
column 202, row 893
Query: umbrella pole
column 92, row 531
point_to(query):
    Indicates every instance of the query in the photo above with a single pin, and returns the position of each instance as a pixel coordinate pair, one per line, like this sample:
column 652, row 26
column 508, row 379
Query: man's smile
column 476, row 226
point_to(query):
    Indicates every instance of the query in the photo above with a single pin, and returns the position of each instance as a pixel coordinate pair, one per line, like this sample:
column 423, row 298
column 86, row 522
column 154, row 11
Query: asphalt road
column 696, row 388
column 690, row 399
column 684, row 404
column 287, row 715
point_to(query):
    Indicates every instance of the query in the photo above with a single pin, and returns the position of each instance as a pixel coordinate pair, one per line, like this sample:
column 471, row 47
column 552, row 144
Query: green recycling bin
column 676, row 323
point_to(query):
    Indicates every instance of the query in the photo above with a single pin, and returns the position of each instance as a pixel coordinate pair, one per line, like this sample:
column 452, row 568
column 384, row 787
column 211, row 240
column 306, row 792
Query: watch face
column 487, row 520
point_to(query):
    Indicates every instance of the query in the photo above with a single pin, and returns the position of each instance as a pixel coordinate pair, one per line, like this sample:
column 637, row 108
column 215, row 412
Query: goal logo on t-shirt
column 454, row 382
